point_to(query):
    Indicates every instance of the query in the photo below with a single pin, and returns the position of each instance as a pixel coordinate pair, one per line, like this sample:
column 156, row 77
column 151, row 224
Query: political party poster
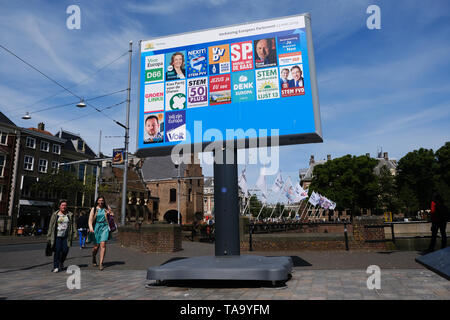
column 175, row 126
column 295, row 83
column 219, row 59
column 229, row 78
column 197, row 63
column 220, row 89
column 267, row 84
column 154, row 68
column 244, row 88
column 241, row 56
column 265, row 53
column 289, row 50
column 197, row 92
column 153, row 128
column 175, row 65
column 175, row 95
column 118, row 156
column 154, row 97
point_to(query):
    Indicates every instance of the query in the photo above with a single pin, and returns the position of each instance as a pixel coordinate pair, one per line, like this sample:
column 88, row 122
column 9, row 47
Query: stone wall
column 158, row 237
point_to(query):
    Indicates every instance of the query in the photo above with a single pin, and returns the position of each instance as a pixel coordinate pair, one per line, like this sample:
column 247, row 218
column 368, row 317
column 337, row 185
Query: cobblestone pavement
column 25, row 274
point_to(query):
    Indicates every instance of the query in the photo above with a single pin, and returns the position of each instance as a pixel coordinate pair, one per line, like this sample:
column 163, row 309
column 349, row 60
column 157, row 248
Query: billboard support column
column 226, row 203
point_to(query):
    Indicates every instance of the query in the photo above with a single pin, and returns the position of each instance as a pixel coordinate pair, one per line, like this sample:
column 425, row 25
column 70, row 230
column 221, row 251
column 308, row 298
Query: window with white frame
column 2, row 164
column 55, row 165
column 28, row 163
column 43, row 165
column 31, row 143
column 56, row 149
column 3, row 138
column 45, row 146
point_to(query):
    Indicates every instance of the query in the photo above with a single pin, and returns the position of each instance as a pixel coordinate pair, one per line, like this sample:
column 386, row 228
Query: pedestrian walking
column 82, row 227
column 61, row 232
column 99, row 232
column 439, row 217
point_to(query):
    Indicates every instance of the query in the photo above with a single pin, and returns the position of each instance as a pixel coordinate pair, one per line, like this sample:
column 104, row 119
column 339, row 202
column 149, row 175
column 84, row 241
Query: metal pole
column 346, row 237
column 127, row 125
column 97, row 175
column 178, row 196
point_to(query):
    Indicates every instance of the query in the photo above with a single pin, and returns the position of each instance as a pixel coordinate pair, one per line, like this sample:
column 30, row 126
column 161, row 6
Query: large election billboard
column 257, row 79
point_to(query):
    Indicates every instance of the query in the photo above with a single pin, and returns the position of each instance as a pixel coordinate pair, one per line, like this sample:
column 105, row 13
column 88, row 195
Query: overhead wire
column 77, row 84
column 58, row 84
column 73, row 103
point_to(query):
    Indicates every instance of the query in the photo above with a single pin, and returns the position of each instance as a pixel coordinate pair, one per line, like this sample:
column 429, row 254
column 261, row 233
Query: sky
column 385, row 88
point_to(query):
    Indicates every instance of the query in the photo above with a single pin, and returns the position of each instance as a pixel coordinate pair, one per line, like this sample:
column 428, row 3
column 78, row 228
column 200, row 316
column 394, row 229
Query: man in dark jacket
column 82, row 227
column 439, row 218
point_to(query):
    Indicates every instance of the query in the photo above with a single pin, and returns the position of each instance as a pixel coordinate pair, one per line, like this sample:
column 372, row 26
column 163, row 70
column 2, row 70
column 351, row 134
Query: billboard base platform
column 233, row 267
column 438, row 262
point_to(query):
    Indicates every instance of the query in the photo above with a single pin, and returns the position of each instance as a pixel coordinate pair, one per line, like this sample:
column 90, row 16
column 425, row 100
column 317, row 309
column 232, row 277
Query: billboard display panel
column 256, row 77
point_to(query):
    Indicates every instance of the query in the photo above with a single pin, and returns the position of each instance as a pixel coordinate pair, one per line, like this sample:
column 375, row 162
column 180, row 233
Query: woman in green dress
column 99, row 230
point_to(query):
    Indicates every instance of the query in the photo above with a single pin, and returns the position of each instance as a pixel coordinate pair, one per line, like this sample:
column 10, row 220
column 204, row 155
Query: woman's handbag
column 49, row 249
column 112, row 226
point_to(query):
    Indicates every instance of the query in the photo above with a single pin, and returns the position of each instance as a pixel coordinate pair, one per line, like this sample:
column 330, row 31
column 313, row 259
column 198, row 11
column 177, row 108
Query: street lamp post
column 127, row 128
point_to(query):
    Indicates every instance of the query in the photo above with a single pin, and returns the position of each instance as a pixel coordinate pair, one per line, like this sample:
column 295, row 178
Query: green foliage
column 349, row 181
column 65, row 185
column 442, row 172
column 415, row 179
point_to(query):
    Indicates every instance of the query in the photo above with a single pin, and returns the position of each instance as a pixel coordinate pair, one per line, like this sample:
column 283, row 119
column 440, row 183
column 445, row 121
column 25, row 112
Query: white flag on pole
column 278, row 184
column 243, row 183
column 289, row 190
column 300, row 194
column 314, row 198
column 333, row 205
column 261, row 184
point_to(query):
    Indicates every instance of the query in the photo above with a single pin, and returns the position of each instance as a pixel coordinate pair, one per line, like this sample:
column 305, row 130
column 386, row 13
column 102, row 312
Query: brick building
column 161, row 177
column 8, row 133
column 40, row 154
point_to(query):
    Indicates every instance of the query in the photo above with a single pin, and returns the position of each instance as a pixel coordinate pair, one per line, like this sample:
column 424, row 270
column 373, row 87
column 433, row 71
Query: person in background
column 439, row 218
column 61, row 232
column 82, row 227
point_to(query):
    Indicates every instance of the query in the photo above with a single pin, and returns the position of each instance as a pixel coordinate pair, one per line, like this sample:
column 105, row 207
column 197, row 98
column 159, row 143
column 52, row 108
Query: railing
column 284, row 227
column 393, row 237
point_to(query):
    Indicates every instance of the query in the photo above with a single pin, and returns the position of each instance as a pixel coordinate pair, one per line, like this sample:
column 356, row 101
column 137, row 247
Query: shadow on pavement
column 220, row 284
column 112, row 263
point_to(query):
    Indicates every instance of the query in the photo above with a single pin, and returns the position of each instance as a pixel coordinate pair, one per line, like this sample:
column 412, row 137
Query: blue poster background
column 290, row 115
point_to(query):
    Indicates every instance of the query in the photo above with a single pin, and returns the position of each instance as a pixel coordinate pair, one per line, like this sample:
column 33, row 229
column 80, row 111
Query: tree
column 349, row 181
column 415, row 180
column 387, row 194
column 442, row 172
column 64, row 185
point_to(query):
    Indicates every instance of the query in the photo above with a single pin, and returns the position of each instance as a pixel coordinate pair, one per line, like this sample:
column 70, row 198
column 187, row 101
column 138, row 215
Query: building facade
column 8, row 136
column 175, row 186
column 40, row 154
column 75, row 149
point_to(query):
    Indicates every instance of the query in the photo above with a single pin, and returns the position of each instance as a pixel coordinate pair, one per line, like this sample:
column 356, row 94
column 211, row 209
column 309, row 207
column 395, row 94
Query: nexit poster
column 251, row 76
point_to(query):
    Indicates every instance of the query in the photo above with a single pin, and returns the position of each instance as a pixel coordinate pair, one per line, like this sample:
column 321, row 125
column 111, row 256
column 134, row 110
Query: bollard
column 346, row 236
column 393, row 233
column 250, row 237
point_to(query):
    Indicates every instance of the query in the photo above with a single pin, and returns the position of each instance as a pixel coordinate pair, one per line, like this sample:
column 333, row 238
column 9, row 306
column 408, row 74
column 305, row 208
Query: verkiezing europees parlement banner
column 257, row 76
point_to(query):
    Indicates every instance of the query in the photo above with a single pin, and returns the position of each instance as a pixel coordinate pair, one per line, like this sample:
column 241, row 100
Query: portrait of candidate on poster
column 265, row 53
column 176, row 65
column 154, row 128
